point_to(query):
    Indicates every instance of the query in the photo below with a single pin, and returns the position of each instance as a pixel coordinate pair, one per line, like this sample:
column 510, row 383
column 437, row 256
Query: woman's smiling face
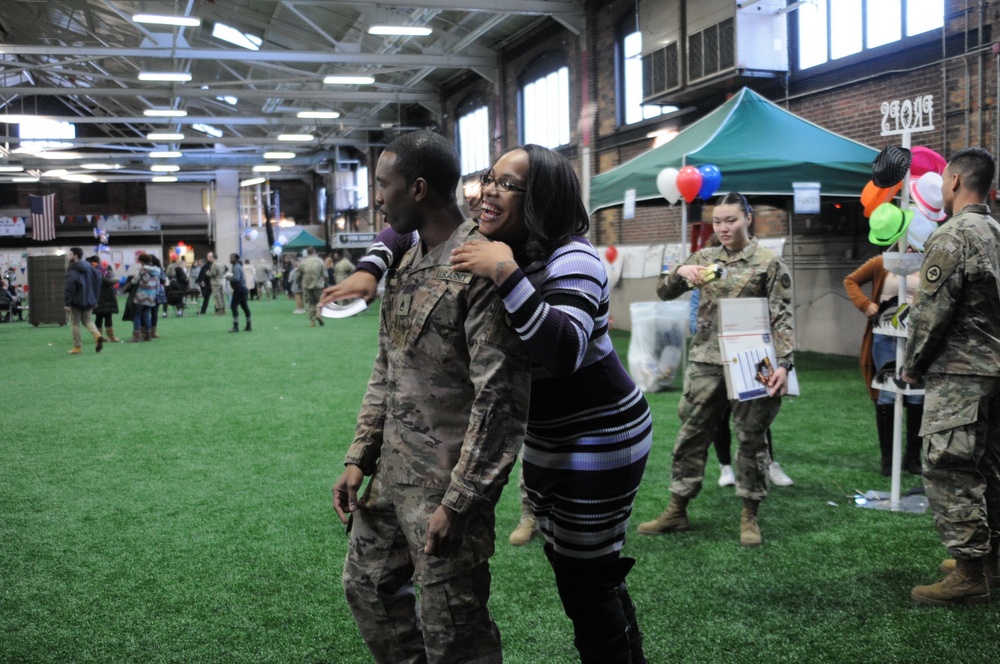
column 502, row 215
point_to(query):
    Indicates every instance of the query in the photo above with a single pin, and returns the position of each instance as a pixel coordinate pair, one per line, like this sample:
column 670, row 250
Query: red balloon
column 611, row 254
column 689, row 182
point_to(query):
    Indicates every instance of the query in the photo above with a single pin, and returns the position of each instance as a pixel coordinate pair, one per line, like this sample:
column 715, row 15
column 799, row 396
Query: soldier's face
column 502, row 216
column 393, row 195
column 731, row 226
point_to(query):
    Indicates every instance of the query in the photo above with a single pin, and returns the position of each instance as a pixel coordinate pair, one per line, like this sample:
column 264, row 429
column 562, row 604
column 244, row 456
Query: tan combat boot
column 965, row 585
column 75, row 350
column 111, row 335
column 673, row 520
column 749, row 525
column 991, row 567
column 525, row 530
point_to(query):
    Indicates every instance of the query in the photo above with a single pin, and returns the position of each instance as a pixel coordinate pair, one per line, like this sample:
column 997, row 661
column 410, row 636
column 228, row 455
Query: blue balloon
column 711, row 178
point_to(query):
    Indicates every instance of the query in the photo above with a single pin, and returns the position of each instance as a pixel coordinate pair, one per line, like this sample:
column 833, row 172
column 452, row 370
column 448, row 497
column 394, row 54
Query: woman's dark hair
column 427, row 155
column 145, row 259
column 737, row 199
column 553, row 207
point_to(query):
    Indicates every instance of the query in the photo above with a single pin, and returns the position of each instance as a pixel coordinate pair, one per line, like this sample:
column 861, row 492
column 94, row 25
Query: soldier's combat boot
column 525, row 530
column 673, row 520
column 749, row 525
column 991, row 567
column 965, row 585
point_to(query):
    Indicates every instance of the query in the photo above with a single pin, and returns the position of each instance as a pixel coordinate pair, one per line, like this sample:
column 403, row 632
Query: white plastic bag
column 657, row 349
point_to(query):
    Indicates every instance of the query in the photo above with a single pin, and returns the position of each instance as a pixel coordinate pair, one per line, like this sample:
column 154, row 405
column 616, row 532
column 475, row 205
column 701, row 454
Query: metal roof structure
column 79, row 61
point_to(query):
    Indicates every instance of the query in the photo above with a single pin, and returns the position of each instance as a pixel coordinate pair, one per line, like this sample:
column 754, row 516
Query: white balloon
column 253, row 234
column 666, row 184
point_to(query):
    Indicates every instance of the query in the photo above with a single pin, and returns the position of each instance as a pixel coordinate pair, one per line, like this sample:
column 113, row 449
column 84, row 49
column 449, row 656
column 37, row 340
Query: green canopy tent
column 303, row 240
column 759, row 147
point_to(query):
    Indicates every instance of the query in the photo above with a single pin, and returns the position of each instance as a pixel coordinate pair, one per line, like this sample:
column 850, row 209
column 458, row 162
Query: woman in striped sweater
column 589, row 426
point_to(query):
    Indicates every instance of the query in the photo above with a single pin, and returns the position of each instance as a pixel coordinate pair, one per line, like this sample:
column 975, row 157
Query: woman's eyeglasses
column 502, row 185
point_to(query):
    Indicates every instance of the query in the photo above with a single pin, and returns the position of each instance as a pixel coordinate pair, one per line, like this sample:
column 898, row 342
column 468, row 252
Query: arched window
column 474, row 135
column 544, row 101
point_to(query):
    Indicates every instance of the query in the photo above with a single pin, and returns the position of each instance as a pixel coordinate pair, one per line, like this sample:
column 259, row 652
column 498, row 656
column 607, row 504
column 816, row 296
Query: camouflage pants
column 218, row 296
column 961, row 432
column 702, row 406
column 385, row 561
column 311, row 297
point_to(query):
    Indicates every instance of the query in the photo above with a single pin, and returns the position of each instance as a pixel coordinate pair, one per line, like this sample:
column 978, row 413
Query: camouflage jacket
column 954, row 325
column 447, row 402
column 311, row 273
column 755, row 271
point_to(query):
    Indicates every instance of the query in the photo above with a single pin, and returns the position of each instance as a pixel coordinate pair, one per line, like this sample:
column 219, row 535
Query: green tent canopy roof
column 304, row 239
column 759, row 147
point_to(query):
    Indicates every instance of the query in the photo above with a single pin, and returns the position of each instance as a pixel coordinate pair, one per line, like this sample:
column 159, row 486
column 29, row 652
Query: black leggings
column 240, row 300
column 104, row 320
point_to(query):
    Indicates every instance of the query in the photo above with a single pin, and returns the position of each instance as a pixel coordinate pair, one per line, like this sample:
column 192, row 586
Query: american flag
column 43, row 217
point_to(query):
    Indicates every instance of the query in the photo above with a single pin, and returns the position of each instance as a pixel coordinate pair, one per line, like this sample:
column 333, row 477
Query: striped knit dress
column 589, row 426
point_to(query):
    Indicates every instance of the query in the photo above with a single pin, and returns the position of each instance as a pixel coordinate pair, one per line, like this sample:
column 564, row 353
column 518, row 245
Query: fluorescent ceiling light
column 399, row 30
column 279, row 155
column 229, row 99
column 24, row 179
column 165, row 154
column 295, row 137
column 55, row 156
column 164, row 136
column 16, row 119
column 55, row 173
column 207, row 129
column 252, row 181
column 349, row 80
column 77, row 177
column 266, row 168
column 10, row 168
column 161, row 19
column 173, row 76
column 99, row 167
column 317, row 114
column 230, row 34
column 164, row 178
column 164, row 113
column 165, row 168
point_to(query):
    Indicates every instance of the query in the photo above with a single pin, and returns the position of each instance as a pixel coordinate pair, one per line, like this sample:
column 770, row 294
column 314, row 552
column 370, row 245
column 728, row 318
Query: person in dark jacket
column 107, row 300
column 83, row 284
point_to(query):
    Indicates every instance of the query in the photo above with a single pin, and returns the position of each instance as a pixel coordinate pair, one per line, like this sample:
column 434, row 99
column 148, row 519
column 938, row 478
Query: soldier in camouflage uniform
column 311, row 278
column 750, row 270
column 439, row 430
column 217, row 278
column 954, row 345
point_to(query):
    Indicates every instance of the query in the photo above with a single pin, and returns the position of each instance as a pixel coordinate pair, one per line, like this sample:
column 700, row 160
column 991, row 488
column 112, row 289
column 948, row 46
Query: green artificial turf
column 170, row 502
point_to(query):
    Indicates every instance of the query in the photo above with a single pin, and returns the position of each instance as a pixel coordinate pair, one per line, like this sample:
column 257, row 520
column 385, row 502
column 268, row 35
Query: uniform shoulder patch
column 786, row 280
column 451, row 275
column 932, row 273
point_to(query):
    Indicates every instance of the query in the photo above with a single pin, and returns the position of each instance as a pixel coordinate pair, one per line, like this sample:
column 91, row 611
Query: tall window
column 545, row 109
column 630, row 75
column 474, row 140
column 829, row 30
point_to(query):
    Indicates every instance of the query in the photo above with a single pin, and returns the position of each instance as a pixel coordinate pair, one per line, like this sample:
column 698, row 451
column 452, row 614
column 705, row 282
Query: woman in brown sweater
column 876, row 351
